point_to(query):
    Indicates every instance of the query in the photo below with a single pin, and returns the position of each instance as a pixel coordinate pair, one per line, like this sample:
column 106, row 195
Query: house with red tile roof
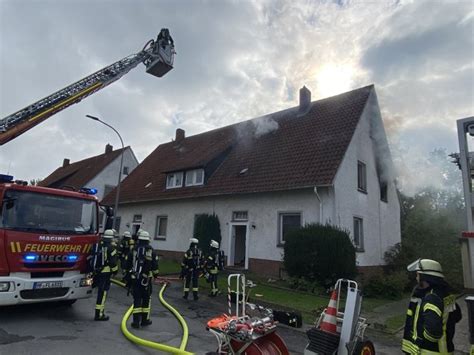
column 100, row 172
column 324, row 161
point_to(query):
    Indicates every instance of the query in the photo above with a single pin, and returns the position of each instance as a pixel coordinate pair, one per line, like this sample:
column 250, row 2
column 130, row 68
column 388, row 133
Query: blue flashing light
column 6, row 178
column 88, row 191
column 30, row 257
column 72, row 258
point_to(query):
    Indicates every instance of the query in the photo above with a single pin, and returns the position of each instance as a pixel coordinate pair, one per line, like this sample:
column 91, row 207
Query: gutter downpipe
column 320, row 205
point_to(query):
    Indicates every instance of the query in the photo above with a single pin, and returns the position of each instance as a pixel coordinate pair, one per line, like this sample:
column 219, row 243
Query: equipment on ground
column 157, row 56
column 241, row 334
column 46, row 236
column 337, row 332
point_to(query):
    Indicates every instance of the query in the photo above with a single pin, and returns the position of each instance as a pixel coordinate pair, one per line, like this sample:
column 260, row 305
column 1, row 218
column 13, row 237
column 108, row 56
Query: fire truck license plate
column 47, row 284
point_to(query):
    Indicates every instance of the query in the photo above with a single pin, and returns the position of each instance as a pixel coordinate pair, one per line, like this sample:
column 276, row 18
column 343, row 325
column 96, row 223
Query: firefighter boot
column 195, row 295
column 136, row 321
column 185, row 295
column 145, row 320
column 100, row 317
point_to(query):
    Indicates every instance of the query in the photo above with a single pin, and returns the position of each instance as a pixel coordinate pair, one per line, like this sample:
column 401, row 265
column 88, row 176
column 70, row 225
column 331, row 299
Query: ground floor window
column 161, row 227
column 359, row 233
column 287, row 222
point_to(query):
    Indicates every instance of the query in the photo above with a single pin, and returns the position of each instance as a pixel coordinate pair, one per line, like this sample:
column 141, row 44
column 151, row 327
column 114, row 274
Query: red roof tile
column 304, row 151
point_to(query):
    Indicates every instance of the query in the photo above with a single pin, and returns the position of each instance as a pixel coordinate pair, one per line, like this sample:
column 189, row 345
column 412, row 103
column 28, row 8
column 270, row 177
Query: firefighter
column 432, row 312
column 125, row 246
column 105, row 264
column 143, row 265
column 212, row 265
column 190, row 268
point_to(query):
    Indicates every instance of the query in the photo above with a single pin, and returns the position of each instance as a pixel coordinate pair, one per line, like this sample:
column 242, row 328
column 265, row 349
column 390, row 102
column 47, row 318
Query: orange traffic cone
column 329, row 321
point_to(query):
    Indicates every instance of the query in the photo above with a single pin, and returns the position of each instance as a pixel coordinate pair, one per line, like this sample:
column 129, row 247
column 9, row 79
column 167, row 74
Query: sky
column 235, row 60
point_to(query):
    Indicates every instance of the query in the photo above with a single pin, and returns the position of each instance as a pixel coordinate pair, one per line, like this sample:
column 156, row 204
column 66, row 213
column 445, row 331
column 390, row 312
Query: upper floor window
column 137, row 218
column 195, row 177
column 240, row 216
column 108, row 189
column 383, row 192
column 287, row 222
column 361, row 177
column 359, row 233
column 125, row 170
column 174, row 180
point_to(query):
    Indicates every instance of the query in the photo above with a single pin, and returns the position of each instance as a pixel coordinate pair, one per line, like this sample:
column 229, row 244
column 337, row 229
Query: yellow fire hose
column 151, row 344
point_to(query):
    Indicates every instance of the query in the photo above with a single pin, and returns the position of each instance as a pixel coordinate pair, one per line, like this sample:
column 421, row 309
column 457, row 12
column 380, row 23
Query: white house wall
column 381, row 220
column 262, row 208
column 109, row 175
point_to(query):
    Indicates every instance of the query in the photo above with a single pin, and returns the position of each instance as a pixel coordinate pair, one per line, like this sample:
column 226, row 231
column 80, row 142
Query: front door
column 238, row 244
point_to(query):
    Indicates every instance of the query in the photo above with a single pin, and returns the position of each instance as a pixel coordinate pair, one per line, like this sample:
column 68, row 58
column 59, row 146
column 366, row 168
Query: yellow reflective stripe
column 106, row 269
column 137, row 310
column 409, row 347
column 18, row 247
column 428, row 337
column 432, row 307
column 415, row 321
column 115, row 268
column 12, row 246
column 409, row 312
column 195, row 289
column 113, row 252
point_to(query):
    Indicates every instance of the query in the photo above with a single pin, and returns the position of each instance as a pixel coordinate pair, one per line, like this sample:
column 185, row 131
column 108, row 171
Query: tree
column 207, row 228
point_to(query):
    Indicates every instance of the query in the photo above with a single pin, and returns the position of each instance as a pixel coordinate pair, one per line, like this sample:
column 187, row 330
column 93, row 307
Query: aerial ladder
column 157, row 56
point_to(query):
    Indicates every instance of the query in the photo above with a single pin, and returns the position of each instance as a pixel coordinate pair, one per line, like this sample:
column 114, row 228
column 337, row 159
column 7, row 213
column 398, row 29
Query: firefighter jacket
column 125, row 246
column 212, row 263
column 430, row 322
column 106, row 257
column 192, row 260
column 142, row 262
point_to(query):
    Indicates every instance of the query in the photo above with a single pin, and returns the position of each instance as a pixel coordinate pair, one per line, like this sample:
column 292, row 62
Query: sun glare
column 334, row 79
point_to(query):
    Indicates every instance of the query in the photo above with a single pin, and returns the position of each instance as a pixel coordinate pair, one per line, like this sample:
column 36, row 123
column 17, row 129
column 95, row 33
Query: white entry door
column 238, row 245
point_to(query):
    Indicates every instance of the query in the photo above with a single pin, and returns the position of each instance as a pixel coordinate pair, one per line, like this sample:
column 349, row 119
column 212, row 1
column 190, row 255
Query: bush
column 389, row 286
column 207, row 228
column 321, row 253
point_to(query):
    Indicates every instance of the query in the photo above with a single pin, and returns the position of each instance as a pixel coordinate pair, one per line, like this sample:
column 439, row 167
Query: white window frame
column 191, row 177
column 361, row 176
column 157, row 227
column 281, row 215
column 174, row 177
column 359, row 244
column 243, row 218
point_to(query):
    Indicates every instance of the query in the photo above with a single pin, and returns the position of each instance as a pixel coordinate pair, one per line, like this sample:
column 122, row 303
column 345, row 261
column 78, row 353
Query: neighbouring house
column 100, row 172
column 325, row 161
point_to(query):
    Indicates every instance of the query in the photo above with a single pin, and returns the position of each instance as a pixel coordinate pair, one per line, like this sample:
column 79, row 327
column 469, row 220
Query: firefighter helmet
column 214, row 244
column 194, row 241
column 127, row 234
column 426, row 267
column 108, row 234
column 143, row 235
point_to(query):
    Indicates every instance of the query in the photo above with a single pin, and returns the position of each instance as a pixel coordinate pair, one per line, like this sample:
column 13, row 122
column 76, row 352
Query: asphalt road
column 55, row 329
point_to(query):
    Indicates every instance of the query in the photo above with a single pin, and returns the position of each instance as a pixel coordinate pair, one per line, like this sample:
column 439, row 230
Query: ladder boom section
column 158, row 58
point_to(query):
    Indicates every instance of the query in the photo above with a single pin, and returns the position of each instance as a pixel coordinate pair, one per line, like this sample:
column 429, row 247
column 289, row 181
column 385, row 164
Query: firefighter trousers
column 142, row 302
column 191, row 275
column 103, row 286
column 213, row 280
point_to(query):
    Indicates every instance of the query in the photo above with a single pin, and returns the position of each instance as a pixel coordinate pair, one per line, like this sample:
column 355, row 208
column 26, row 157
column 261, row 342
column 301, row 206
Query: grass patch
column 169, row 267
column 395, row 322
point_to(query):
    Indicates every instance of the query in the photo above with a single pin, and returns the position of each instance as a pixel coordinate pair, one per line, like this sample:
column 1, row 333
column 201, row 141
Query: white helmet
column 127, row 234
column 194, row 241
column 108, row 234
column 214, row 244
column 427, row 267
column 143, row 235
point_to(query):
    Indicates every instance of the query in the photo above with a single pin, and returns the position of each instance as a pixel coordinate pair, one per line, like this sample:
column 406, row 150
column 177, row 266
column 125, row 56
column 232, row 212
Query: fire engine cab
column 45, row 237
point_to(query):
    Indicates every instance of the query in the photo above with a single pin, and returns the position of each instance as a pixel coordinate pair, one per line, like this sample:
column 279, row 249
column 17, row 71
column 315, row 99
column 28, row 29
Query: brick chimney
column 179, row 135
column 305, row 99
column 65, row 162
column 108, row 148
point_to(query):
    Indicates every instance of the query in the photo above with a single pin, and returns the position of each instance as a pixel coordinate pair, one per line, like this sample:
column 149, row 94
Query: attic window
column 244, row 171
column 195, row 177
column 174, row 180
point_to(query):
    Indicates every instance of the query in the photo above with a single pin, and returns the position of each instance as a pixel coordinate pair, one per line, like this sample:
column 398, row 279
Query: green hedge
column 321, row 253
column 207, row 228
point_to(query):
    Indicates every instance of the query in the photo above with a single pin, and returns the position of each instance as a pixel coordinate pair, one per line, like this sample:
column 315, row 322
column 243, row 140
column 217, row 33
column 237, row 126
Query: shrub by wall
column 321, row 253
column 207, row 228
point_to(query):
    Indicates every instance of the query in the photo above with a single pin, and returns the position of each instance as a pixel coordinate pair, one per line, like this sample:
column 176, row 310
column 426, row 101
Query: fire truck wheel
column 365, row 347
